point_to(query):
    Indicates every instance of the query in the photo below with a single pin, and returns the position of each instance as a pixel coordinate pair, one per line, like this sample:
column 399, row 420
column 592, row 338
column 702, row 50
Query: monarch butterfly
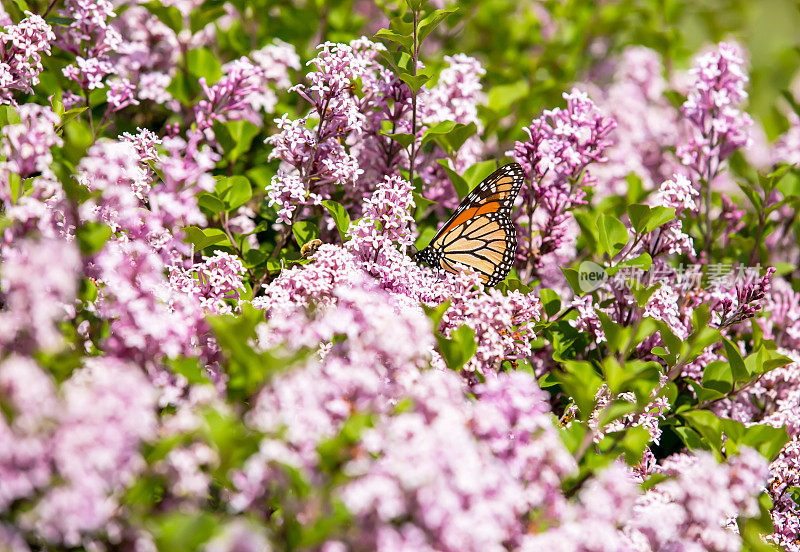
column 480, row 233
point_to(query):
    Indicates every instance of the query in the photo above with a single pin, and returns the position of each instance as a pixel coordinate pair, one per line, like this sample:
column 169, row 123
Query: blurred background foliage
column 533, row 50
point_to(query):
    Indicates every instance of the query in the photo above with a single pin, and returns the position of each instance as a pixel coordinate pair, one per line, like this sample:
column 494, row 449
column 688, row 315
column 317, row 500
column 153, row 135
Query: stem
column 49, row 7
column 224, row 220
column 89, row 110
column 710, row 176
column 414, row 56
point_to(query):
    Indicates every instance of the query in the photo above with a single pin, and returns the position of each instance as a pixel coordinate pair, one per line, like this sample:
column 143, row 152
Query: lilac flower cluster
column 91, row 39
column 213, row 283
column 719, row 127
column 166, row 360
column 21, row 49
column 561, row 144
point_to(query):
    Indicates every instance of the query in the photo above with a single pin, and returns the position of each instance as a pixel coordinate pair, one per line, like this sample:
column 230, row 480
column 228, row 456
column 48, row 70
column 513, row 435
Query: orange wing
column 480, row 233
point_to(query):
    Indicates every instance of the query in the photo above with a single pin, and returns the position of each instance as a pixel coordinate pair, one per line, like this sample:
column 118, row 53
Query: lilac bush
column 215, row 336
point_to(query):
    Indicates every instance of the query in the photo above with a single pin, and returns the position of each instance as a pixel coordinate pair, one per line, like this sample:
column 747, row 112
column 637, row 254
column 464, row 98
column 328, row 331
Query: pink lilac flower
column 89, row 73
column 21, row 49
column 108, row 411
column 502, row 323
column 591, row 524
column 275, row 60
column 587, row 319
column 145, row 142
column 240, row 536
column 149, row 319
column 647, row 125
column 319, row 158
column 663, row 305
column 690, row 511
column 25, row 459
column 121, row 94
column 213, row 283
column 787, row 146
column 39, row 283
column 455, row 97
column 562, row 144
column 228, row 96
column 716, row 89
column 26, row 145
column 746, row 303
column 678, row 193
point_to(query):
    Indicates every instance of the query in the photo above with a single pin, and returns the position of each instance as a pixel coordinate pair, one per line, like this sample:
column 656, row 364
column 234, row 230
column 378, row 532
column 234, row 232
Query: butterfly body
column 480, row 234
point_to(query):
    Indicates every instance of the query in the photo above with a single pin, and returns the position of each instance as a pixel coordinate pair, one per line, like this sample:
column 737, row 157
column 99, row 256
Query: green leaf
column 646, row 219
column 718, row 376
column 513, row 284
column 304, row 231
column 476, row 173
column 248, row 369
column 766, row 439
column 406, row 41
column 611, row 234
column 573, row 279
column 253, row 257
column 415, row 82
column 235, row 137
column 179, row 531
column 235, row 191
column 207, row 13
column 340, row 216
column 180, row 88
column 169, row 15
column 658, row 217
column 451, row 136
column 764, row 360
column 458, row 348
column 210, row 202
column 459, row 184
column 503, row 96
column 427, row 25
column 92, row 236
column 202, row 63
column 580, row 381
column 708, row 426
column 202, row 238
column 551, row 302
column 643, row 261
column 736, row 361
column 435, row 314
column 402, row 138
column 426, row 234
column 638, row 214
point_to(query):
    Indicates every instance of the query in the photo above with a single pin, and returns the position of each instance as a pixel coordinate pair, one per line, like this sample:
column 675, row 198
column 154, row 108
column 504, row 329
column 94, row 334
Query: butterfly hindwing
column 480, row 233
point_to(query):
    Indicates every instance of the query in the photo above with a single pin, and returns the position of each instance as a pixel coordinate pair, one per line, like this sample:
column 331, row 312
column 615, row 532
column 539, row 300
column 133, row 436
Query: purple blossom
column 214, row 283
column 647, row 125
column 26, row 145
column 678, row 193
column 562, row 144
column 229, row 95
column 716, row 89
column 455, row 97
column 108, row 411
column 121, row 94
column 21, row 49
column 39, row 282
column 745, row 304
column 25, row 459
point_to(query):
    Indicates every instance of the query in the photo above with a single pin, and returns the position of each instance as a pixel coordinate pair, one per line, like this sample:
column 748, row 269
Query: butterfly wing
column 480, row 233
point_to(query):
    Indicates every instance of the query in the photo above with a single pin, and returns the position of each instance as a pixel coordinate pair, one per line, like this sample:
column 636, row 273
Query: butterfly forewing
column 480, row 233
